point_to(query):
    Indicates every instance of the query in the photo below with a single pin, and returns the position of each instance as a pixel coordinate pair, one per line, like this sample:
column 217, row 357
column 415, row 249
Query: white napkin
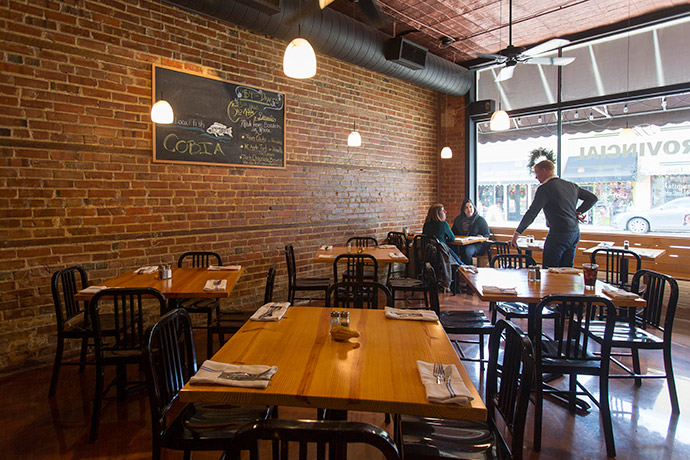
column 388, row 246
column 617, row 293
column 92, row 289
column 571, row 270
column 277, row 315
column 326, row 247
column 454, row 392
column 211, row 373
column 396, row 255
column 419, row 315
column 499, row 290
column 323, row 256
column 468, row 239
column 225, row 267
column 146, row 270
column 468, row 268
column 212, row 286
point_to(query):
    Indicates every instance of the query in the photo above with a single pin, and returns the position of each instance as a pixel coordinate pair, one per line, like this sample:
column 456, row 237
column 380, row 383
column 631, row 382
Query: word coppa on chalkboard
column 218, row 122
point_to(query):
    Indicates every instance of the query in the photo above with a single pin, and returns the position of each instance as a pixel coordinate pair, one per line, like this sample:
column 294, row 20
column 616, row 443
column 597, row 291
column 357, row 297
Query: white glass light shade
column 446, row 153
column 299, row 60
column 354, row 139
column 499, row 121
column 162, row 113
column 627, row 132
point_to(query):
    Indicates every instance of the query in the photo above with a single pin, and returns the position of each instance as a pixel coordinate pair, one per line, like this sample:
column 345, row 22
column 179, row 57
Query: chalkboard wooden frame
column 218, row 122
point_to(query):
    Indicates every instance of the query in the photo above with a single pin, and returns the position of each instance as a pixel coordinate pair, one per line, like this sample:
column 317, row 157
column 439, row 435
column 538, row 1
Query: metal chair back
column 512, row 261
column 357, row 294
column 199, row 259
column 363, row 241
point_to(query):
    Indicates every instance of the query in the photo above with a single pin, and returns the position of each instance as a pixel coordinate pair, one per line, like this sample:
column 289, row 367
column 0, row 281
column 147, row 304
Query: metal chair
column 71, row 317
column 125, row 346
column 363, row 241
column 201, row 259
column 358, row 267
column 356, row 294
column 513, row 261
column 497, row 248
column 170, row 360
column 569, row 354
column 509, row 381
column 510, row 309
column 661, row 293
column 469, row 322
column 399, row 239
column 231, row 322
column 615, row 264
column 324, row 435
column 414, row 283
column 296, row 283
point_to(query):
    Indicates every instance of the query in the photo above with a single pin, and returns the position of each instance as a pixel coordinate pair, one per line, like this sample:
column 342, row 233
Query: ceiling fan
column 512, row 55
column 369, row 9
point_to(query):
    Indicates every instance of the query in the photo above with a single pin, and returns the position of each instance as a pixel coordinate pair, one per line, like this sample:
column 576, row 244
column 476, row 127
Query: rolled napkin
column 215, row 285
column 451, row 391
column 233, row 375
column 272, row 311
column 326, row 247
column 499, row 290
column 225, row 267
column 387, row 246
column 469, row 239
column 146, row 270
column 468, row 268
column 92, row 289
column 323, row 256
column 396, row 255
column 617, row 293
column 418, row 315
column 571, row 270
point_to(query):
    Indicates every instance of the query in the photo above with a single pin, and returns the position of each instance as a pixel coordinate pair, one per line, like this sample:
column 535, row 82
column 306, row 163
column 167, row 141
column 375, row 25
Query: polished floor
column 37, row 427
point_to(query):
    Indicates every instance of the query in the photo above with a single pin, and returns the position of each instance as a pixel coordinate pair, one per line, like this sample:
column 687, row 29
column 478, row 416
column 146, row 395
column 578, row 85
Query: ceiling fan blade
column 506, row 73
column 560, row 61
column 494, row 57
column 546, row 46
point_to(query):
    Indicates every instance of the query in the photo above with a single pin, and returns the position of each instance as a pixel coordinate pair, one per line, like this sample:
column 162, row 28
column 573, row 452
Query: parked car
column 669, row 216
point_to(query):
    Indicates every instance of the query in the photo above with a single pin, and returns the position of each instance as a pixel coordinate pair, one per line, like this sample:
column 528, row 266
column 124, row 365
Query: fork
column 272, row 309
column 438, row 372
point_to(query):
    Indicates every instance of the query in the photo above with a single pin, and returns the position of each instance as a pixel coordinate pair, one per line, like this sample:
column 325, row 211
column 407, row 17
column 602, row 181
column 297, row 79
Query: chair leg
column 97, row 403
column 387, row 418
column 82, row 355
column 121, row 381
column 670, row 379
column 56, row 366
column 538, row 407
column 605, row 410
column 209, row 336
column 637, row 369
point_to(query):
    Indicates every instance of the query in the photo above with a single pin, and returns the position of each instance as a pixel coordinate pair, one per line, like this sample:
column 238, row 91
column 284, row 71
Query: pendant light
column 299, row 60
column 500, row 121
column 627, row 131
column 446, row 152
column 354, row 139
column 162, row 113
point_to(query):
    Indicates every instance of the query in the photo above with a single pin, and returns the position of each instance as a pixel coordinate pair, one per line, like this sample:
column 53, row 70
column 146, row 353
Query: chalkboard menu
column 218, row 122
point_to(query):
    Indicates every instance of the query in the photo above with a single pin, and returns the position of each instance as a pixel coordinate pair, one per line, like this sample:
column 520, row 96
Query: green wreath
column 538, row 153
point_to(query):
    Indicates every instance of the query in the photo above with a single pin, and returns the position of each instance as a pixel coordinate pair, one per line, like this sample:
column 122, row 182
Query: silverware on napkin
column 269, row 313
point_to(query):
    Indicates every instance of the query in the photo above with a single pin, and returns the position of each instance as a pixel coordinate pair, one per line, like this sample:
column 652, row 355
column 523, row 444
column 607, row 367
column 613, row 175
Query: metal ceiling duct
column 334, row 34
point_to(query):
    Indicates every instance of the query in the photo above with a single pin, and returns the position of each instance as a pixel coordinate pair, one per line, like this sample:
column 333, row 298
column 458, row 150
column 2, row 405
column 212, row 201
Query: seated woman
column 470, row 223
column 435, row 225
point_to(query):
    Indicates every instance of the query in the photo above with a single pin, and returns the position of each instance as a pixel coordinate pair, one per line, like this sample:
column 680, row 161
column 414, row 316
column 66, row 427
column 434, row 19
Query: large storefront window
column 634, row 155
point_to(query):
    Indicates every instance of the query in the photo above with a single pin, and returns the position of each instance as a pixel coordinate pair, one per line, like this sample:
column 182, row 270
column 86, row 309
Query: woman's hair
column 462, row 208
column 434, row 214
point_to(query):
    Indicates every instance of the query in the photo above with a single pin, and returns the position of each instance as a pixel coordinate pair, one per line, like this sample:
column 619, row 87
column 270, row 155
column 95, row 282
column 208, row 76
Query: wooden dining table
column 376, row 372
column 381, row 254
column 644, row 253
column 184, row 283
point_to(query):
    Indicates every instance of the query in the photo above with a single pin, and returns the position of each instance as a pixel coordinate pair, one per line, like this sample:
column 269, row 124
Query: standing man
column 559, row 199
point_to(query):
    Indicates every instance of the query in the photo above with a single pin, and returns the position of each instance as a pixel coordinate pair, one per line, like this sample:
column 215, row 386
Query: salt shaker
column 626, row 244
column 537, row 273
column 531, row 273
column 345, row 318
column 335, row 319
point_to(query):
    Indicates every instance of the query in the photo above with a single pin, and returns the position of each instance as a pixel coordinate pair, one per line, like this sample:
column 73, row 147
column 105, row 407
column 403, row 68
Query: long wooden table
column 382, row 255
column 644, row 253
column 533, row 292
column 185, row 283
column 376, row 372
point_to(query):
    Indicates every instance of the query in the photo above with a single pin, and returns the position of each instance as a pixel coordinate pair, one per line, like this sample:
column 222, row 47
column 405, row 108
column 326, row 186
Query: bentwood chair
column 459, row 322
column 71, row 316
column 615, row 264
column 201, row 259
column 569, row 354
column 661, row 293
column 312, row 438
column 125, row 345
column 231, row 322
column 508, row 386
column 297, row 284
column 170, row 360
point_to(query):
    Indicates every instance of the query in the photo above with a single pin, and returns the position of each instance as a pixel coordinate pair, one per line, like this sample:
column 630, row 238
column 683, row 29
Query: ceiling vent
column 406, row 53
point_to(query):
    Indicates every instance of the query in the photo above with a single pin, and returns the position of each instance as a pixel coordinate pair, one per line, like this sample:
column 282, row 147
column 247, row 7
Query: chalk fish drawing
column 219, row 129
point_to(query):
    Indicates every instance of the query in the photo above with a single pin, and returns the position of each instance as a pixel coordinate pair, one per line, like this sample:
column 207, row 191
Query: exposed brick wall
column 78, row 185
column 452, row 171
